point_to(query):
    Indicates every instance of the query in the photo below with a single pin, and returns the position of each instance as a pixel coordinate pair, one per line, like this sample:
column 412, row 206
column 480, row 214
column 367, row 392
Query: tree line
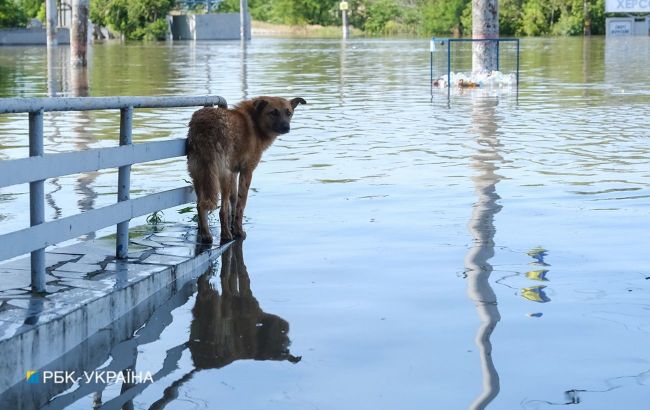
column 145, row 19
column 434, row 17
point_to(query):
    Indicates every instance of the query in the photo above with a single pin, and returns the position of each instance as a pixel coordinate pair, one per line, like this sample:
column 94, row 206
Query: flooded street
column 402, row 252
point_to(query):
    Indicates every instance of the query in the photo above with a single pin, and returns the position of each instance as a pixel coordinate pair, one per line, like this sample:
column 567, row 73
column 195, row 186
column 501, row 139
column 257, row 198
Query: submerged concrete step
column 89, row 290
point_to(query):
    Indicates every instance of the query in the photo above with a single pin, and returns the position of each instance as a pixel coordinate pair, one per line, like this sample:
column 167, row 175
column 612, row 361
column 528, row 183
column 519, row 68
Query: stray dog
column 222, row 144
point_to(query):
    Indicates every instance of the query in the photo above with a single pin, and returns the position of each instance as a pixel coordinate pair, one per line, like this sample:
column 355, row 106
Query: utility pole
column 485, row 25
column 587, row 15
column 79, row 33
column 243, row 20
column 50, row 16
column 344, row 17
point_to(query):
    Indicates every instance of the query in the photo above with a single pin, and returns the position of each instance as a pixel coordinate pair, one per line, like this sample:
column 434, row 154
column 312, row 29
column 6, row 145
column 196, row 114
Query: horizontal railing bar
column 17, row 105
column 49, row 233
column 469, row 40
column 18, row 171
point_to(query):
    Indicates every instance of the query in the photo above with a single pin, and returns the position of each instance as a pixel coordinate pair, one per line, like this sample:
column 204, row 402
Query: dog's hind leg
column 224, row 212
column 245, row 178
column 233, row 200
column 206, row 188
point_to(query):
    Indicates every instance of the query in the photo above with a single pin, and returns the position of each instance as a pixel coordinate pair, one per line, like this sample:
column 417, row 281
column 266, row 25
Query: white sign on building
column 620, row 28
column 627, row 6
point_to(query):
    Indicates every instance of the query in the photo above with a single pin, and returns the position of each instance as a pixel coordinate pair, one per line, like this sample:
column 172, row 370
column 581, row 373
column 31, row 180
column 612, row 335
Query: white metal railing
column 40, row 166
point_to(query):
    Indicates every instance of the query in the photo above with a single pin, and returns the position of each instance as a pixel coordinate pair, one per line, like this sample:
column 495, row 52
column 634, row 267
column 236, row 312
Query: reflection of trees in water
column 133, row 69
column 481, row 226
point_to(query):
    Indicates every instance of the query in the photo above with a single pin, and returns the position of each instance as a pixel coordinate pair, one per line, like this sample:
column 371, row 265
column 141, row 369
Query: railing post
column 124, row 183
column 37, row 200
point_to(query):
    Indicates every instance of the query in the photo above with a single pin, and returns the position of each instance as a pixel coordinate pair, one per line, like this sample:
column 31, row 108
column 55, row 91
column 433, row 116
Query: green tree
column 597, row 12
column 534, row 20
column 445, row 17
column 322, row 12
column 510, row 16
column 31, row 8
column 380, row 13
column 135, row 19
column 143, row 18
column 11, row 15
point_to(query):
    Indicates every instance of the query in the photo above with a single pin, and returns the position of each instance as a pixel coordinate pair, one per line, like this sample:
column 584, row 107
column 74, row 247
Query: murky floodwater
column 493, row 253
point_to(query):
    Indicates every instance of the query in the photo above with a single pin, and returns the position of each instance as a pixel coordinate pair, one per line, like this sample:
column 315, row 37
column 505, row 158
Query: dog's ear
column 296, row 101
column 259, row 104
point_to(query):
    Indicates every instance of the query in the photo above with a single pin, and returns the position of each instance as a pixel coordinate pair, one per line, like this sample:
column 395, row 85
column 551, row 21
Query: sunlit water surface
column 488, row 252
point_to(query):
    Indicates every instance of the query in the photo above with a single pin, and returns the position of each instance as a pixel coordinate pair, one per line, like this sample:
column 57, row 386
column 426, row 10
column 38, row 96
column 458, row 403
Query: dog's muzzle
column 284, row 128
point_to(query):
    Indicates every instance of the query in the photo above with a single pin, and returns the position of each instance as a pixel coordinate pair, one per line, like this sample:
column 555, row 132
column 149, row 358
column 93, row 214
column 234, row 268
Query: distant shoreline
column 264, row 29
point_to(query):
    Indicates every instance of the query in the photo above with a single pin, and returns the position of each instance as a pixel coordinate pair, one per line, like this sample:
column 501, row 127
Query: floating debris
column 535, row 294
column 538, row 253
column 477, row 79
column 539, row 275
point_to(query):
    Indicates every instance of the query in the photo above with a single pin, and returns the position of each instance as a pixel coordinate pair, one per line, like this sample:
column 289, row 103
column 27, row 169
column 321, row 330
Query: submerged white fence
column 39, row 166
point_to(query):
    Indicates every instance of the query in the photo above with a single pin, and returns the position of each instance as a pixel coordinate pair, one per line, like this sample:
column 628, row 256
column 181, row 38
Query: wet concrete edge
column 33, row 346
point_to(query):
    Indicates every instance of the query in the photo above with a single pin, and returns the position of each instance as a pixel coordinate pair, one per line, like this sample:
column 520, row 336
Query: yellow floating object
column 539, row 275
column 535, row 294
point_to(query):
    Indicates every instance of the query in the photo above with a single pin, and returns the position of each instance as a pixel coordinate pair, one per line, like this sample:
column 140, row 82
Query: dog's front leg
column 245, row 177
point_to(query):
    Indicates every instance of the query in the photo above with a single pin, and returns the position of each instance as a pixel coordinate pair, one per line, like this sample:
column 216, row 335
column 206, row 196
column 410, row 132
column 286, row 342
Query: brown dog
column 223, row 143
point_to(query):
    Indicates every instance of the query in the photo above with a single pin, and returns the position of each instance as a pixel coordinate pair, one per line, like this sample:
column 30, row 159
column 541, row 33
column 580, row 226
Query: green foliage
column 454, row 17
column 156, row 30
column 144, row 19
column 155, row 218
column 11, row 15
column 597, row 13
column 380, row 14
column 41, row 15
column 136, row 19
column 296, row 12
column 448, row 17
column 533, row 19
column 510, row 17
column 31, row 8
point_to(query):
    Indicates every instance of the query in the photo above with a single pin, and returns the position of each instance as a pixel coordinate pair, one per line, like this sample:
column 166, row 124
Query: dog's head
column 273, row 114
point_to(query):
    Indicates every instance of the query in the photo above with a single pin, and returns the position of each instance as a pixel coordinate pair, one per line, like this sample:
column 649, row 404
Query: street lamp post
column 50, row 16
column 79, row 33
column 243, row 21
column 344, row 16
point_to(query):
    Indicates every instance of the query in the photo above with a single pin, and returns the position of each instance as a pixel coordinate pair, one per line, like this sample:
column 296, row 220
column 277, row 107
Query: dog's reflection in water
column 231, row 326
column 226, row 327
